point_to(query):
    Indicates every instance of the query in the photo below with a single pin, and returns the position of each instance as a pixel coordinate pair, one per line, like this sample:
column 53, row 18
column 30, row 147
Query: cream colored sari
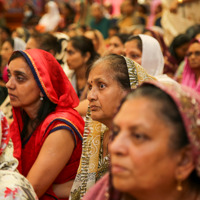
column 92, row 165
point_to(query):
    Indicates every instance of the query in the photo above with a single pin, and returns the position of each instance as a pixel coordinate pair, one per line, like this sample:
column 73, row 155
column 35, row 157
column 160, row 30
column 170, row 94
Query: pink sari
column 188, row 78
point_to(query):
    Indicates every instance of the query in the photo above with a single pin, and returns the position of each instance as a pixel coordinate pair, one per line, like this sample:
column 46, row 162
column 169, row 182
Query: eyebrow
column 17, row 72
column 96, row 80
column 131, row 128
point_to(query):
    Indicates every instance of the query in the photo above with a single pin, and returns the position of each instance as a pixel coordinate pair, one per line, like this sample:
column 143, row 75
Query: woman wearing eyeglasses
column 191, row 73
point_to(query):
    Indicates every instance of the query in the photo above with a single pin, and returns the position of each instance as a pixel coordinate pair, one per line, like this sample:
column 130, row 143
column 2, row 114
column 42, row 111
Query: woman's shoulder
column 64, row 119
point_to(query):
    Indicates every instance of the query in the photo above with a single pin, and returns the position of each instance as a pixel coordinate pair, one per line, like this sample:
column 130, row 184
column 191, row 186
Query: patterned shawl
column 89, row 171
column 12, row 184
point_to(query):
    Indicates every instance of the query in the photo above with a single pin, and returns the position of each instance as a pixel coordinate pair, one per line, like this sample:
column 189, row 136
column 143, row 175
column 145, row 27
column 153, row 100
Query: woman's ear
column 185, row 164
column 87, row 57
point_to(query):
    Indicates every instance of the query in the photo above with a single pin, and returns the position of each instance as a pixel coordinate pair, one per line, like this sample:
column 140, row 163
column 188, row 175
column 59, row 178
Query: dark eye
column 70, row 52
column 139, row 137
column 135, row 56
column 89, row 87
column 115, row 132
column 102, row 85
column 20, row 78
column 9, row 75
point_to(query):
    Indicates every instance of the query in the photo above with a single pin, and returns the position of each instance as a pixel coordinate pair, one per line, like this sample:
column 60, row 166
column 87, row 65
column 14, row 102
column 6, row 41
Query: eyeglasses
column 196, row 53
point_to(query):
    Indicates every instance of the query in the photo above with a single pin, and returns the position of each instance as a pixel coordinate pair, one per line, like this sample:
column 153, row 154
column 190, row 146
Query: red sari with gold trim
column 55, row 85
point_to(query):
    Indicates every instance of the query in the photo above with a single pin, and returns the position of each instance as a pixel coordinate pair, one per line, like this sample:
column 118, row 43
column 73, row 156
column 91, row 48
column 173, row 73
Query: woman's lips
column 12, row 96
column 94, row 108
column 116, row 169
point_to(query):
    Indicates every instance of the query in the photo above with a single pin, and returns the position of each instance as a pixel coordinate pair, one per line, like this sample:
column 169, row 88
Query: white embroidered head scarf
column 152, row 57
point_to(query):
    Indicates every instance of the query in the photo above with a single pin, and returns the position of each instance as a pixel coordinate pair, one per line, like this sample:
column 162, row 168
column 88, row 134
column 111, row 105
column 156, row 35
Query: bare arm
column 63, row 190
column 54, row 154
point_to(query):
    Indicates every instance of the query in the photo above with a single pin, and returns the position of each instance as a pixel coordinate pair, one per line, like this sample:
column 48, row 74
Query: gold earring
column 179, row 185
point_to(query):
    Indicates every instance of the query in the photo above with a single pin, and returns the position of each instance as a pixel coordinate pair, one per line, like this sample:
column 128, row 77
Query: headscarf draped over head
column 188, row 103
column 50, row 20
column 54, row 85
column 51, row 78
column 188, row 77
column 152, row 56
column 19, row 44
column 88, row 171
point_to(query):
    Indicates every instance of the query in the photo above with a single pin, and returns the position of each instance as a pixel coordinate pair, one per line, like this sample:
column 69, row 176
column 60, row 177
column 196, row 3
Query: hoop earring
column 179, row 185
column 41, row 98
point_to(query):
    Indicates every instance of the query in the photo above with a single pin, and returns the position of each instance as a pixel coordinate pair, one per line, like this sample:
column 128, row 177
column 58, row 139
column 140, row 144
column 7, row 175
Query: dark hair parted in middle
column 84, row 45
column 46, row 107
column 138, row 39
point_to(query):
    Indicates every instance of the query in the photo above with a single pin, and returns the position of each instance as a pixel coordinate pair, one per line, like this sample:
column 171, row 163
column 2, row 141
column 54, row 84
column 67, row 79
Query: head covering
column 19, row 44
column 89, row 170
column 51, row 19
column 152, row 57
column 51, row 78
column 61, row 55
column 187, row 101
column 188, row 77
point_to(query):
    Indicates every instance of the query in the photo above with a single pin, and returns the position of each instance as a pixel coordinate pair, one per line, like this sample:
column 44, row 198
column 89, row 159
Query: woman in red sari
column 47, row 131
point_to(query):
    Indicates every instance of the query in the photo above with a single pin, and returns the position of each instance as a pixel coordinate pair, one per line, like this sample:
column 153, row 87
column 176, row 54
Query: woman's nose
column 92, row 95
column 10, row 84
column 118, row 145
